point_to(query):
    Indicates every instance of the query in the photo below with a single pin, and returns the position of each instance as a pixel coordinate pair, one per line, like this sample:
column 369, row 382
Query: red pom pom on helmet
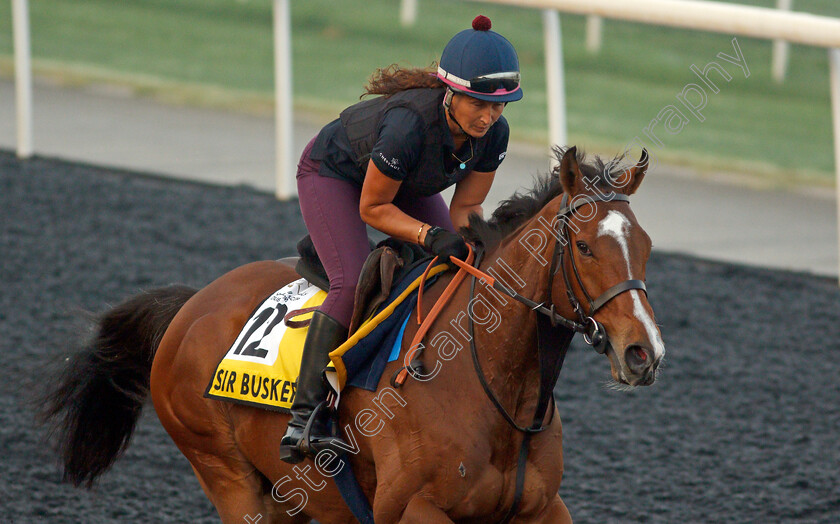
column 481, row 23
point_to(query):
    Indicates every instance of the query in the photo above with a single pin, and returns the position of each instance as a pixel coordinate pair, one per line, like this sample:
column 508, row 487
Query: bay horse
column 436, row 450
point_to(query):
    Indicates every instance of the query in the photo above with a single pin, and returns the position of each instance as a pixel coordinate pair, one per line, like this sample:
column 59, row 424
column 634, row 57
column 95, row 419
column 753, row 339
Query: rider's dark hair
column 393, row 79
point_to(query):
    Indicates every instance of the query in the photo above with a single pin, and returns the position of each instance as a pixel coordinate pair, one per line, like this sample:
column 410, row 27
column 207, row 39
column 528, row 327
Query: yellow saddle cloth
column 255, row 371
column 262, row 366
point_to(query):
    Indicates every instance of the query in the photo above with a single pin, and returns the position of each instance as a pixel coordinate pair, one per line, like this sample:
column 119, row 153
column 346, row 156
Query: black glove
column 444, row 243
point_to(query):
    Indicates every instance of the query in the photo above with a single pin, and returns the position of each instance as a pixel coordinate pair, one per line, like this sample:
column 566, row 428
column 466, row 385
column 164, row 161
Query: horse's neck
column 508, row 348
column 523, row 262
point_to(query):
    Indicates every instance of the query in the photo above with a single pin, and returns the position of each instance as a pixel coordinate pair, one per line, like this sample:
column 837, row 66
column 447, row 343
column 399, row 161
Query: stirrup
column 295, row 453
column 291, row 454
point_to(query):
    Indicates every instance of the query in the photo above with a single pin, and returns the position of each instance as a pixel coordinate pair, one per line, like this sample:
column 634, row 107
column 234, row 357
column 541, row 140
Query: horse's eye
column 584, row 248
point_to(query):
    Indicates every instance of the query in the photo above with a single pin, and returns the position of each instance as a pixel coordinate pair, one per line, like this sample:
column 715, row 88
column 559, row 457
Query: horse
column 452, row 445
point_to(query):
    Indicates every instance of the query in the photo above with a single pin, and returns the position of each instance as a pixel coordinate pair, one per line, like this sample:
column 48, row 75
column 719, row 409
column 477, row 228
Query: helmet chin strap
column 447, row 103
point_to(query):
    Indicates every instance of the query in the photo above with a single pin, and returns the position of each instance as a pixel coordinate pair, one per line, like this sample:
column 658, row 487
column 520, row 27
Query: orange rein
column 465, row 267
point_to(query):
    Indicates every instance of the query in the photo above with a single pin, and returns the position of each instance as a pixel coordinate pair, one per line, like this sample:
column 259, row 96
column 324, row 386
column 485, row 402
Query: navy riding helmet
column 482, row 64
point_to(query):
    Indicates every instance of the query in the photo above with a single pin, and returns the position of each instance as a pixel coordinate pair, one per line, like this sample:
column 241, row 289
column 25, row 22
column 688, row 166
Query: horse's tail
column 93, row 407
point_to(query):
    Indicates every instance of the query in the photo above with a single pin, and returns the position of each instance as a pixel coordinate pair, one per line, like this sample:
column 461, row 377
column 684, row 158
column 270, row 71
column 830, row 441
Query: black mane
column 521, row 207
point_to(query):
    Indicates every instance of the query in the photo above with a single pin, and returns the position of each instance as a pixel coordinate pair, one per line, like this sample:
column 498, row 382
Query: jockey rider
column 384, row 163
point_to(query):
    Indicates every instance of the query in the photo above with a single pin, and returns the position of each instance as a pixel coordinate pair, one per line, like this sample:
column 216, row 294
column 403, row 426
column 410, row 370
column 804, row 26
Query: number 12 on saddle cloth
column 261, row 367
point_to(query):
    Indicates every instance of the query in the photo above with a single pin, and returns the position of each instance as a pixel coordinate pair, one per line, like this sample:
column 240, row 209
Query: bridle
column 554, row 331
column 593, row 331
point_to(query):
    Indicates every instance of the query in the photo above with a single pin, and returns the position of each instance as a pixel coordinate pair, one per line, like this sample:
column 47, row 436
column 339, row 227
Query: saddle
column 388, row 262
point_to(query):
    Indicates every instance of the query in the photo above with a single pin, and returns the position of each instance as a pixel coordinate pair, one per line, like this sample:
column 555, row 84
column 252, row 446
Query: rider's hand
column 444, row 243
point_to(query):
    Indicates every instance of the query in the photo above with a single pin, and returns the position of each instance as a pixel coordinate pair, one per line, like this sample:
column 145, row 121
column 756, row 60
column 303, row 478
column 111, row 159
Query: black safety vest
column 361, row 123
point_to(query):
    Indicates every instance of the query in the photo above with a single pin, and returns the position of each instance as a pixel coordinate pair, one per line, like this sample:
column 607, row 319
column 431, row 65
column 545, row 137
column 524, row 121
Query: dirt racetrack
column 742, row 426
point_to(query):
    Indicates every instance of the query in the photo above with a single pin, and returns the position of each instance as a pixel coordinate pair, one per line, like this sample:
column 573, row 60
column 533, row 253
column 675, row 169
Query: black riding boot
column 325, row 334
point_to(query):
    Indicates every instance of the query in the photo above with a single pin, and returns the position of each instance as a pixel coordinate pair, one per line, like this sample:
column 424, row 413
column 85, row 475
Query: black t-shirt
column 399, row 146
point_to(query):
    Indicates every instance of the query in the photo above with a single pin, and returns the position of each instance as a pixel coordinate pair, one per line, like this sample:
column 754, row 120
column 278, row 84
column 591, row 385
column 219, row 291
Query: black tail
column 95, row 404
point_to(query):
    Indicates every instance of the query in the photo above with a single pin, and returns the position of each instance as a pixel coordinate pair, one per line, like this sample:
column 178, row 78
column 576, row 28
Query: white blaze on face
column 617, row 226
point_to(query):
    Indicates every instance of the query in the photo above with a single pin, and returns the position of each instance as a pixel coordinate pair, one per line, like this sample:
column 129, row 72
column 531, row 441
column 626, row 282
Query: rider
column 384, row 163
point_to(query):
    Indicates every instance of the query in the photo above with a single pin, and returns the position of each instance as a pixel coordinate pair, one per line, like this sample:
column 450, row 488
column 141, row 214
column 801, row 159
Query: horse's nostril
column 638, row 358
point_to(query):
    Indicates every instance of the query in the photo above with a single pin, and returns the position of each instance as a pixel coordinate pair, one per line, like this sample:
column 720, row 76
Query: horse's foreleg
column 421, row 511
column 555, row 513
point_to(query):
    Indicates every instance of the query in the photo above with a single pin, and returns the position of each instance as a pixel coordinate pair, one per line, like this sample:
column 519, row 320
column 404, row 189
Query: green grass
column 220, row 51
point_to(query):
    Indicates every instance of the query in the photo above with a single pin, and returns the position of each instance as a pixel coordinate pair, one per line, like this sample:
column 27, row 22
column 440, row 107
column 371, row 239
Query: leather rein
column 554, row 331
column 593, row 331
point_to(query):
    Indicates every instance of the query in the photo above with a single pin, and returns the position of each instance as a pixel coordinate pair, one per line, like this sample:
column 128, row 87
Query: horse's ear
column 637, row 174
column 569, row 172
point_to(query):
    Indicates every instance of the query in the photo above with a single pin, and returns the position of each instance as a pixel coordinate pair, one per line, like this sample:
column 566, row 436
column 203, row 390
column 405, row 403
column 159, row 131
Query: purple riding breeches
column 330, row 209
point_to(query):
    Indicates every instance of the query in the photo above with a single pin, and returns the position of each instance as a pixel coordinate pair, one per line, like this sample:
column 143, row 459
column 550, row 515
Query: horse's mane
column 521, row 207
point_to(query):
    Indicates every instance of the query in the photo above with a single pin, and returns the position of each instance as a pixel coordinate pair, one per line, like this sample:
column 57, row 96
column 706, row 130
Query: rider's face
column 475, row 116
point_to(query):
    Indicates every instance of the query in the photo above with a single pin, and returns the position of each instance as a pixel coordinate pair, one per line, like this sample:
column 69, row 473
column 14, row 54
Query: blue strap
column 395, row 350
column 352, row 493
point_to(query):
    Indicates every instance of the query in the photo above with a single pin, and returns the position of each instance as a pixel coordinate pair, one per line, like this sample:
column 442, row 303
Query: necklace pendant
column 462, row 164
